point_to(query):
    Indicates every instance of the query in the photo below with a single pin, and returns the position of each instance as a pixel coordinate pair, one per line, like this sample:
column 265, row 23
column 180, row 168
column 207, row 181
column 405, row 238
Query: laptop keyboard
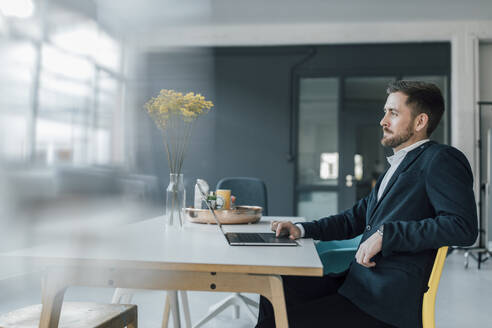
column 258, row 238
column 248, row 238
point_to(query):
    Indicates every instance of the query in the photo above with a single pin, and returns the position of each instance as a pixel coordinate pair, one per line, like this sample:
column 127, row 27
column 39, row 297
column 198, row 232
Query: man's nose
column 384, row 121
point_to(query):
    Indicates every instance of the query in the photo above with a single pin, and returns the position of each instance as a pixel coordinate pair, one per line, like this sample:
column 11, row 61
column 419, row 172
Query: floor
column 464, row 298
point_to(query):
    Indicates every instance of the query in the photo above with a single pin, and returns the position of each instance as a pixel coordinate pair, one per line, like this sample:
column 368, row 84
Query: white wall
column 485, row 72
column 485, row 94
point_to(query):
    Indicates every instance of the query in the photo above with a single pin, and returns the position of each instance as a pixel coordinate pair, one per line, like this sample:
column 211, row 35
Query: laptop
column 250, row 238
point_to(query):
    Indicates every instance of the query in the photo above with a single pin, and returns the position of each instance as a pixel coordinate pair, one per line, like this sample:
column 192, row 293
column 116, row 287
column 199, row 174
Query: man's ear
column 421, row 122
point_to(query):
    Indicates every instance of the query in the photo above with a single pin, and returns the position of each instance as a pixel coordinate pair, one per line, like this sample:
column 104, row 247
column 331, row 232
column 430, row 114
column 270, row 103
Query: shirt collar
column 399, row 155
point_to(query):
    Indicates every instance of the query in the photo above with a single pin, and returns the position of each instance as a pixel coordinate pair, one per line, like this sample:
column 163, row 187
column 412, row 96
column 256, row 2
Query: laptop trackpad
column 271, row 239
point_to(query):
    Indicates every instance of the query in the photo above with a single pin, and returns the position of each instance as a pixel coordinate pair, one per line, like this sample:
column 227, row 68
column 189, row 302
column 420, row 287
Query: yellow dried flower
column 174, row 112
column 169, row 102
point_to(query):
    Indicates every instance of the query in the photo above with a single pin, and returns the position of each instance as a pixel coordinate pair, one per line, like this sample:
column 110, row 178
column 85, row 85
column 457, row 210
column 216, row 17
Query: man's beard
column 396, row 140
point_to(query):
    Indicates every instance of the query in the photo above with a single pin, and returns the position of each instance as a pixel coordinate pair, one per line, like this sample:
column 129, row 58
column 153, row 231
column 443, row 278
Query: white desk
column 146, row 255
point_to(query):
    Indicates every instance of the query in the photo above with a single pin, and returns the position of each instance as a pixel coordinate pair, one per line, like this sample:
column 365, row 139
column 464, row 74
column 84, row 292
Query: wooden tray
column 238, row 215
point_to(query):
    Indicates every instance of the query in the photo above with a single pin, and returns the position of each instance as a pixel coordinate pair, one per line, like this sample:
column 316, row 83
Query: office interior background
column 298, row 88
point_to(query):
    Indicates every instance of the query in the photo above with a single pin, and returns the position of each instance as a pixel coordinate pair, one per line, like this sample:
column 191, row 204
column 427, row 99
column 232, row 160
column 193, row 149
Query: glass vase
column 175, row 201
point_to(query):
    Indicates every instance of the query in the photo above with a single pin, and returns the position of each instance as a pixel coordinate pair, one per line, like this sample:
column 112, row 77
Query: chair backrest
column 248, row 191
column 429, row 303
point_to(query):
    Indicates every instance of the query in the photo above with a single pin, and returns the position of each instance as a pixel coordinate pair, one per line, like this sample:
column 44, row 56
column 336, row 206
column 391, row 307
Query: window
column 16, row 88
column 329, row 166
column 59, row 97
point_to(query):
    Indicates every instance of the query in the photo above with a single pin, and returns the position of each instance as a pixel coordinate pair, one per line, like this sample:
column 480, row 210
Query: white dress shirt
column 394, row 162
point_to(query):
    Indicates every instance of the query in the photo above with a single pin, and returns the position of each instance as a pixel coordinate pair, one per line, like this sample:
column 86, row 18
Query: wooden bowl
column 238, row 215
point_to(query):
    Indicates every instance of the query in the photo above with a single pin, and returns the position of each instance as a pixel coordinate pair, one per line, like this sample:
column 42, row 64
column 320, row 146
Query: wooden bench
column 76, row 315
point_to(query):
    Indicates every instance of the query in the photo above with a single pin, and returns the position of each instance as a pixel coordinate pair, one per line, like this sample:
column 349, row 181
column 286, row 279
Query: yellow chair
column 429, row 303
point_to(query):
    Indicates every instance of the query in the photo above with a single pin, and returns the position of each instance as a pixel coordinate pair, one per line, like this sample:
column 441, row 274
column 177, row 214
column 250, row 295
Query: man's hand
column 283, row 228
column 368, row 249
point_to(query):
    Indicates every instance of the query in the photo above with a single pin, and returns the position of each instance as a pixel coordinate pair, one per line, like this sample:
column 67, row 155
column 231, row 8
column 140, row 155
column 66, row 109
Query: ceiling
column 155, row 19
column 155, row 14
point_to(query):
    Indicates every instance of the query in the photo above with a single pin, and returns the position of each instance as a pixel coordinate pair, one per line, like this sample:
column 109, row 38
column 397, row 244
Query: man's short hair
column 423, row 97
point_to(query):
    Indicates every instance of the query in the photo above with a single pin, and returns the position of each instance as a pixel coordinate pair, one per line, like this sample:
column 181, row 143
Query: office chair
column 248, row 191
column 336, row 255
column 429, row 303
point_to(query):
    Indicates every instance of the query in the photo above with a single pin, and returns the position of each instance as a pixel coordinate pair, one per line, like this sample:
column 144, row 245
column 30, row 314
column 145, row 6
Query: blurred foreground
column 40, row 205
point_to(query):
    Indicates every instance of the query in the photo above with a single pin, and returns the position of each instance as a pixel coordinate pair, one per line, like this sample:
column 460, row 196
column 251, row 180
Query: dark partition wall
column 183, row 70
column 249, row 132
column 253, row 118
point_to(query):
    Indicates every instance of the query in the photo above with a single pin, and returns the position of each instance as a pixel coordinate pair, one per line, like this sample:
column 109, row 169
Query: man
column 423, row 201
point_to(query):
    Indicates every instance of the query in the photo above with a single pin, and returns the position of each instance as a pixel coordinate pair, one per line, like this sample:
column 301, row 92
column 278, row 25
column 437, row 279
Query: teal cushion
column 336, row 261
column 336, row 255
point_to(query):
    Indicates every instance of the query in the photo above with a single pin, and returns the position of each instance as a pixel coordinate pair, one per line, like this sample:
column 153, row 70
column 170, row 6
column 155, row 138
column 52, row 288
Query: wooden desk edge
column 173, row 266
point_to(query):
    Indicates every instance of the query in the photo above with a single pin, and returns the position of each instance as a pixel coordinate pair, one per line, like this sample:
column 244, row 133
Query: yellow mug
column 223, row 199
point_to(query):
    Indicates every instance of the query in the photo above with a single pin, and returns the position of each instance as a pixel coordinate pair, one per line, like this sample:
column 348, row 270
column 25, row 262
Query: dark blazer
column 428, row 203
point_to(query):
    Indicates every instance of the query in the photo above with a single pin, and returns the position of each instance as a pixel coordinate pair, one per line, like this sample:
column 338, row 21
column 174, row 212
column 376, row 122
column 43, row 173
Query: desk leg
column 277, row 299
column 53, row 292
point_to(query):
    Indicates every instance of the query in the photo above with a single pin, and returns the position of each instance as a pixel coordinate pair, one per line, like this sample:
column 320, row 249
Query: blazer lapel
column 407, row 161
column 374, row 198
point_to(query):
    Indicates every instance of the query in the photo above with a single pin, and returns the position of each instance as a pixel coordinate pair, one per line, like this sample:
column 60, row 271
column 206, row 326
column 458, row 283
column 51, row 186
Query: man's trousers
column 314, row 302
